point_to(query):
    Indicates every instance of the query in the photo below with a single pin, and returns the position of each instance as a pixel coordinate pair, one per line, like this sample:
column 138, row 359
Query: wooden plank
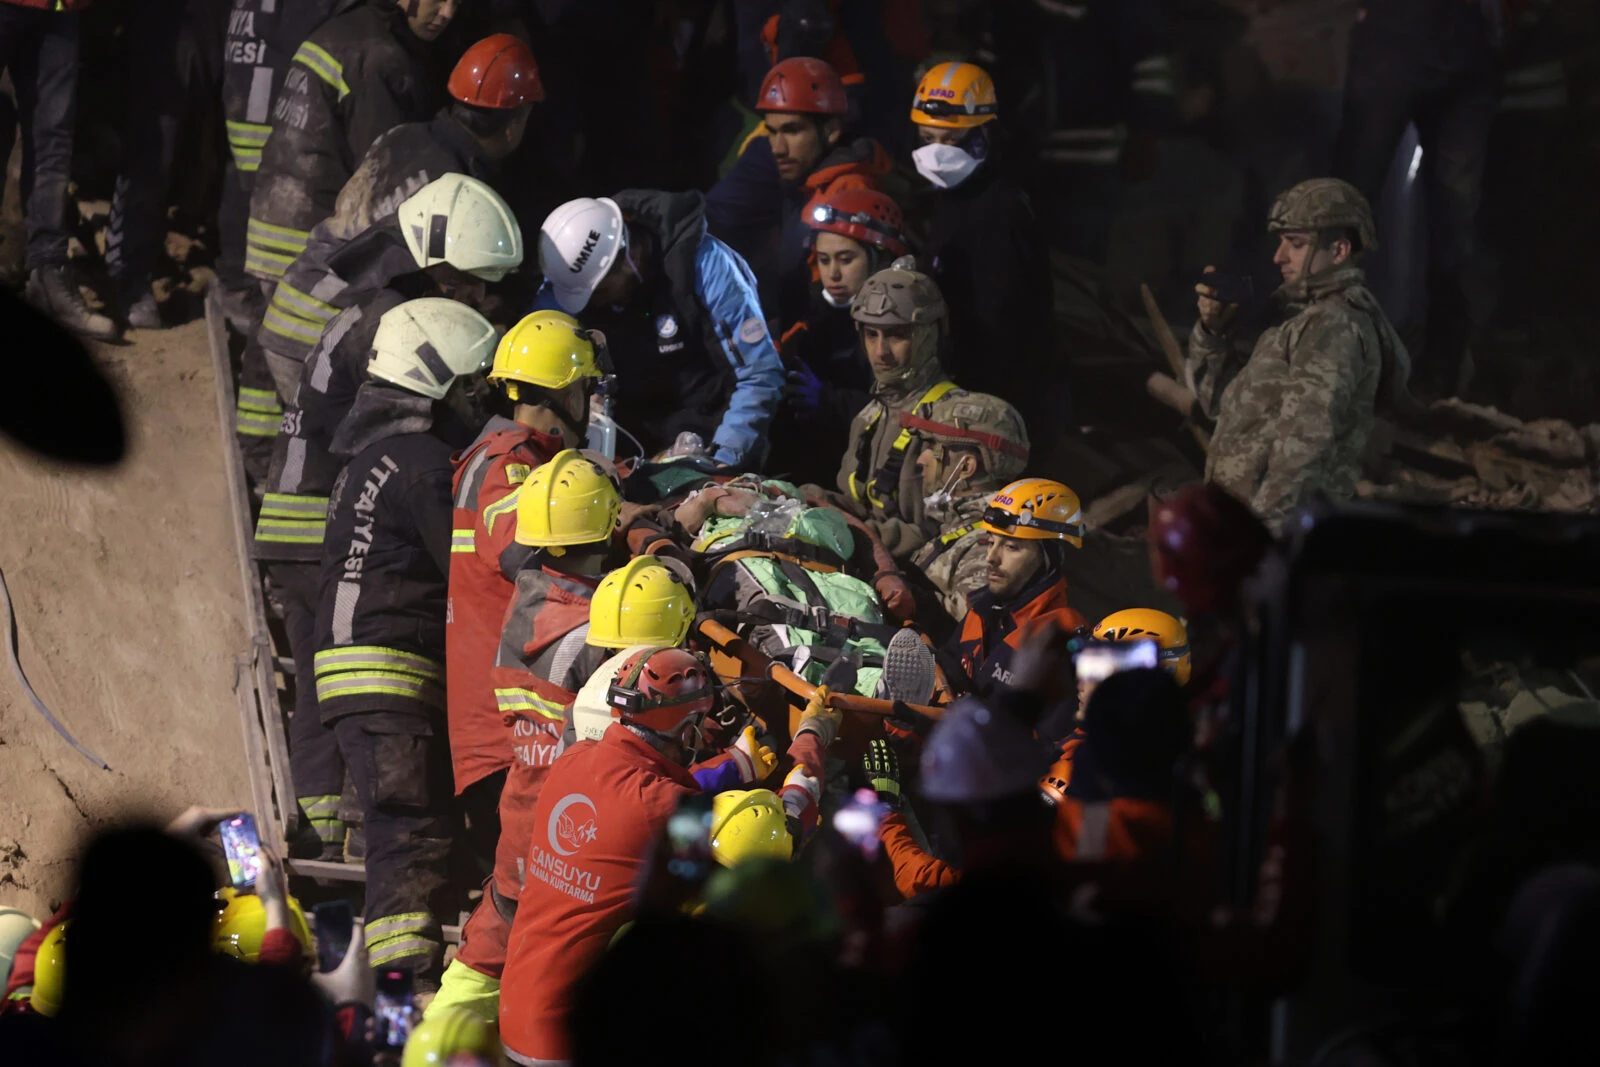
column 344, row 872
column 1174, row 354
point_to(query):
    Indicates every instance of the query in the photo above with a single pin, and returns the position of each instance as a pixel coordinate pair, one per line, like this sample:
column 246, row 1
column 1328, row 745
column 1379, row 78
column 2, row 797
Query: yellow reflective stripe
column 402, row 922
column 320, row 804
column 288, row 504
column 290, row 326
column 272, row 235
column 505, row 504
column 270, row 264
column 316, row 59
column 379, row 683
column 263, row 400
column 393, row 951
column 256, row 423
column 248, row 134
column 349, row 657
column 247, row 160
column 903, row 441
column 517, row 473
column 283, row 531
column 514, row 701
column 302, row 305
column 462, row 541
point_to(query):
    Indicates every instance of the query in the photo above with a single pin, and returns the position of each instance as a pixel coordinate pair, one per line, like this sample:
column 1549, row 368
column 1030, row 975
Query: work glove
column 754, row 760
column 353, row 981
column 802, row 795
column 882, row 767
column 895, row 593
column 820, row 719
column 804, row 392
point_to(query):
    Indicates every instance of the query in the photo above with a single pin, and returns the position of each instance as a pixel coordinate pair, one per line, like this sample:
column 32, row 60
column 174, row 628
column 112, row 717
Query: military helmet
column 1324, row 204
column 899, row 295
column 977, row 421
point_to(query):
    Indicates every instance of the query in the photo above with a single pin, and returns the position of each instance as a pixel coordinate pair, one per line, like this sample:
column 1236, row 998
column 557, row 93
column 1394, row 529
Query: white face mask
column 940, row 506
column 827, row 296
column 945, row 165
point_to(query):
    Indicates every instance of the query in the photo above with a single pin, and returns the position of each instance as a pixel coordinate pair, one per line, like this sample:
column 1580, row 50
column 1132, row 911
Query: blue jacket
column 692, row 351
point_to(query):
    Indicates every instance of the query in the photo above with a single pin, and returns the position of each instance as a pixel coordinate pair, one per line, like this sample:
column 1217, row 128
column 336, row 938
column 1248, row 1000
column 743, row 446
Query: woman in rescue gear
column 565, row 514
column 362, row 72
column 371, row 276
column 494, row 87
column 679, row 309
column 1030, row 523
column 853, row 234
column 546, row 367
column 800, row 155
column 603, row 803
column 979, row 445
column 380, row 625
column 1294, row 417
column 986, row 250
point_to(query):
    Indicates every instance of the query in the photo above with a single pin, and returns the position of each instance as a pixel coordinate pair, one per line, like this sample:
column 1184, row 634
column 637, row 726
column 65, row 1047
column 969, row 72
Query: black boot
column 54, row 291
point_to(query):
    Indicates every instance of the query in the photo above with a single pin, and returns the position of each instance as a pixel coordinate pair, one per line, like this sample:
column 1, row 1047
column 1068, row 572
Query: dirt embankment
column 126, row 591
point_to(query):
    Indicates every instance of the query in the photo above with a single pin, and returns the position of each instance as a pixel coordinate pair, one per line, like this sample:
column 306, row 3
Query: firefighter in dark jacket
column 361, row 72
column 680, row 313
column 262, row 37
column 1029, row 523
column 494, row 87
column 289, row 532
column 986, row 250
column 380, row 625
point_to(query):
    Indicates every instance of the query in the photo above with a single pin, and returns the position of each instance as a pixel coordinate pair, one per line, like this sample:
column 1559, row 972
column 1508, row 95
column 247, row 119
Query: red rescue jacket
column 487, row 477
column 990, row 632
column 601, row 807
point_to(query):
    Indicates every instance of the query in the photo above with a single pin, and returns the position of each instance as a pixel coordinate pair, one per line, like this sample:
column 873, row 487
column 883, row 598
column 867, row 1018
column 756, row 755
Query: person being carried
column 1294, row 418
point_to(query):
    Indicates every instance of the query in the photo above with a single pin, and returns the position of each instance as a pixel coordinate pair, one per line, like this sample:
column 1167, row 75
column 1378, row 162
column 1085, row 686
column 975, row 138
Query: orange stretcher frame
column 778, row 696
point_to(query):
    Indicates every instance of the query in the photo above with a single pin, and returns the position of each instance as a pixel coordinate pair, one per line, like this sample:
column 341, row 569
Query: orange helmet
column 1169, row 633
column 955, row 96
column 1053, row 786
column 1035, row 509
column 804, row 86
column 661, row 689
column 864, row 215
column 497, row 72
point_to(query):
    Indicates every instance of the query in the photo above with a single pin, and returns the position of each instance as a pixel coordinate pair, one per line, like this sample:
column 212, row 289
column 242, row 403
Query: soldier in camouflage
column 1293, row 418
column 973, row 444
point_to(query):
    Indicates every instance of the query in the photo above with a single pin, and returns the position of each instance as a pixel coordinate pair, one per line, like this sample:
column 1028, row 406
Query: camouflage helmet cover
column 899, row 295
column 1324, row 204
column 982, row 422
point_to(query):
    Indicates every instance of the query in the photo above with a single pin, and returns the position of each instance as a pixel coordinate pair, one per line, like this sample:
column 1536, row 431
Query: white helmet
column 976, row 754
column 578, row 243
column 423, row 345
column 461, row 221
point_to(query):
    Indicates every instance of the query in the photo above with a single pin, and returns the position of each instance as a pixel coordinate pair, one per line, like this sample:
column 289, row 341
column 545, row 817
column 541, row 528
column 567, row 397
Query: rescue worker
column 380, row 623
column 260, row 42
column 600, row 809
column 1132, row 624
column 561, row 521
column 760, row 207
column 39, row 48
column 1293, row 419
column 901, row 318
column 364, row 70
column 679, row 309
column 494, row 86
column 547, row 368
column 854, row 233
column 981, row 446
column 373, row 275
column 986, row 249
column 1029, row 523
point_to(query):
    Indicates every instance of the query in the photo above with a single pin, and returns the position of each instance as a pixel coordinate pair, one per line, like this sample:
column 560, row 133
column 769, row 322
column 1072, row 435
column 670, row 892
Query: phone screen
column 335, row 922
column 1099, row 660
column 394, row 1009
column 858, row 819
column 689, row 835
column 242, row 846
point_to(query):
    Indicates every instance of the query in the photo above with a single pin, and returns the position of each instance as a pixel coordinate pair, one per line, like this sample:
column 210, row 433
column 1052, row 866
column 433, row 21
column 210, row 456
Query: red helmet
column 661, row 688
column 497, row 72
column 803, row 85
column 1203, row 544
column 864, row 215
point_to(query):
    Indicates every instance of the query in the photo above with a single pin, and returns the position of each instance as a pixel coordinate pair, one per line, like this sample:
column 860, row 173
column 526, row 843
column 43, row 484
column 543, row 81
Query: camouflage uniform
column 957, row 561
column 1293, row 420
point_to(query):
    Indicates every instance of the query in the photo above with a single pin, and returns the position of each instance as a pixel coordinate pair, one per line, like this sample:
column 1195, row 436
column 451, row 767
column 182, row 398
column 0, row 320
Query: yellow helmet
column 643, row 603
column 749, row 824
column 955, row 96
column 241, row 923
column 442, row 1034
column 1035, row 509
column 544, row 349
column 50, row 970
column 1168, row 632
column 571, row 500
